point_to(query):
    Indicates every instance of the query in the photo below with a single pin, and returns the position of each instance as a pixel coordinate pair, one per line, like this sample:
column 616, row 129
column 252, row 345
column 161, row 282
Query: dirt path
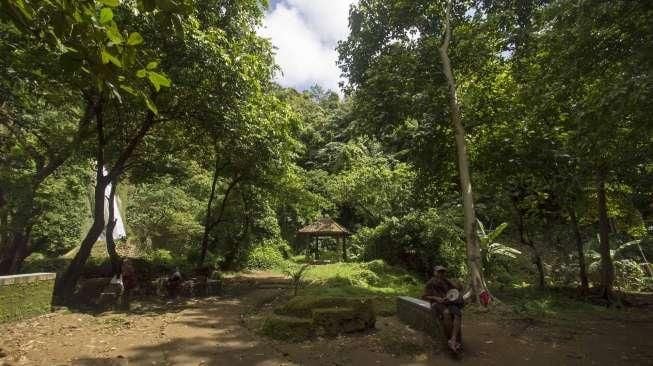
column 212, row 332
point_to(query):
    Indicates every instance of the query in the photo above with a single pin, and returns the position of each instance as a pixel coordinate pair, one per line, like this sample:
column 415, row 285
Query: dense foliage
column 173, row 105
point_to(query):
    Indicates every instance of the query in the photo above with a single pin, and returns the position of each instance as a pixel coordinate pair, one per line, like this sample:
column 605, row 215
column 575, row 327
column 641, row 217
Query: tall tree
column 390, row 34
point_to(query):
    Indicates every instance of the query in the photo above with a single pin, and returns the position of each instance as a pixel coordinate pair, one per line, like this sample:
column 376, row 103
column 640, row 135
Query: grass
column 371, row 280
column 25, row 299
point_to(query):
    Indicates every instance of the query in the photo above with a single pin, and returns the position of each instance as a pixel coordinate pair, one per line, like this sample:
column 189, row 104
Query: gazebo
column 326, row 227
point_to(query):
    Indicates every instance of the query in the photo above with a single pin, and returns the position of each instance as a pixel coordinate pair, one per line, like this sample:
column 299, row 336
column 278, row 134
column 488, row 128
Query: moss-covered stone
column 288, row 328
column 334, row 321
column 25, row 299
column 303, row 306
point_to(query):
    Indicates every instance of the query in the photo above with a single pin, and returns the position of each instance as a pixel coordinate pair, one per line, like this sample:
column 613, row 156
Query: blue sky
column 305, row 33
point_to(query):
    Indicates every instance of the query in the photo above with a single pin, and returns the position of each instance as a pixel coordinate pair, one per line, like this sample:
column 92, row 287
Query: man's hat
column 439, row 268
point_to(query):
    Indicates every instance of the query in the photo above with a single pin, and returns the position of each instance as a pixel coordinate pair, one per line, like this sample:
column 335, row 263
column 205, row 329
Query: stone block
column 418, row 315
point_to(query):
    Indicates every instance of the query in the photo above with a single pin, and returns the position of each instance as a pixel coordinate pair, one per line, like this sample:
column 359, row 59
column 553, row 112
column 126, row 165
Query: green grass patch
column 329, row 284
column 25, row 299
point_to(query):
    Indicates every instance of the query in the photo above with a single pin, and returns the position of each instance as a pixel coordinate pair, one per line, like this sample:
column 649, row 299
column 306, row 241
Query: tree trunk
column 66, row 285
column 607, row 267
column 541, row 282
column 473, row 247
column 211, row 226
column 207, row 218
column 584, row 283
column 116, row 261
column 15, row 253
column 234, row 249
column 526, row 241
column 4, row 222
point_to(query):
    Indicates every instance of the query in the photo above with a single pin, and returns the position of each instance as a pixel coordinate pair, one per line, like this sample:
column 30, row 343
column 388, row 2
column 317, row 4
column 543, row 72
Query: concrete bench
column 26, row 295
column 418, row 315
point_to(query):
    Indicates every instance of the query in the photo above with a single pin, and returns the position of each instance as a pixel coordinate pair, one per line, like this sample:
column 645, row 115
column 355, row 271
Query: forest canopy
column 510, row 140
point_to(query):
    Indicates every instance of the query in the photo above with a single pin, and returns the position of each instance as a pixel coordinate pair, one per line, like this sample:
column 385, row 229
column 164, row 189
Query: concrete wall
column 26, row 295
column 418, row 315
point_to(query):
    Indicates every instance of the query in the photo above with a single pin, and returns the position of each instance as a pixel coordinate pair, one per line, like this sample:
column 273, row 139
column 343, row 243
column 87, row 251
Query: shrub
column 629, row 276
column 161, row 257
column 265, row 256
column 37, row 262
column 416, row 242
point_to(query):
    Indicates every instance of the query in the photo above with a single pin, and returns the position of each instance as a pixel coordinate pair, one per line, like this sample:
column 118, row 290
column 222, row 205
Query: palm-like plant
column 296, row 275
column 491, row 250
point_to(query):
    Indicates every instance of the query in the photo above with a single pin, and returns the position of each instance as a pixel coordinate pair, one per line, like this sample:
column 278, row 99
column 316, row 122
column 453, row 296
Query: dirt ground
column 215, row 331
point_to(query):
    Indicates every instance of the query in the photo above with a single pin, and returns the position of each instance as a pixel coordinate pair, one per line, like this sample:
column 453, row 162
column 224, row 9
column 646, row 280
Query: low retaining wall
column 419, row 316
column 26, row 295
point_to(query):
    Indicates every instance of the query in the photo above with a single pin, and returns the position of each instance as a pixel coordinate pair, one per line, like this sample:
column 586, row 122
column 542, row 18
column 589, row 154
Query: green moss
column 287, row 328
column 303, row 306
column 25, row 299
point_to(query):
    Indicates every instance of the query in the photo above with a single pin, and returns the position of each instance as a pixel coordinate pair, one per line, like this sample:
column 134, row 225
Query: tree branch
column 118, row 167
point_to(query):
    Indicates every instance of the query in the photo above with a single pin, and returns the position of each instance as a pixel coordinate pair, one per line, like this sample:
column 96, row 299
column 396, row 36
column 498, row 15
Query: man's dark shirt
column 438, row 287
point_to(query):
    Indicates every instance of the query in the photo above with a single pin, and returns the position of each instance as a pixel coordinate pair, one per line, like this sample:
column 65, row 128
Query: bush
column 38, row 262
column 265, row 256
column 629, row 276
column 416, row 242
column 161, row 257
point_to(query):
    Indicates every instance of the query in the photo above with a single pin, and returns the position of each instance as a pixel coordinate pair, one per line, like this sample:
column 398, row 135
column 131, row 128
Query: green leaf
column 134, row 39
column 111, row 3
column 106, row 15
column 107, row 57
column 152, row 65
column 128, row 89
column 150, row 104
column 141, row 73
column 114, row 34
column 158, row 80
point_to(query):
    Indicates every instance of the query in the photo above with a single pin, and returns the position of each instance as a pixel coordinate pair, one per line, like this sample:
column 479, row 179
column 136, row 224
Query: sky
column 305, row 33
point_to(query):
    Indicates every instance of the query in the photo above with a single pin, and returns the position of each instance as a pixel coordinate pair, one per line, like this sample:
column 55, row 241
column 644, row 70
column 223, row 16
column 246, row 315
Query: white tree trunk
column 473, row 247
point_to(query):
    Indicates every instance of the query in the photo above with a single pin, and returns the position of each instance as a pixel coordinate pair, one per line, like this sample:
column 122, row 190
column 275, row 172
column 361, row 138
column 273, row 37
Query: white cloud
column 305, row 33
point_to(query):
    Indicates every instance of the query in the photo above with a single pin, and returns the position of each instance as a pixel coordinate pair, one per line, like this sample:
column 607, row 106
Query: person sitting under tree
column 447, row 302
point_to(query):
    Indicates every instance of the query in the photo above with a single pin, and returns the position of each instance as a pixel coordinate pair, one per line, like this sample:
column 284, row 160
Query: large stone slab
column 418, row 315
column 26, row 295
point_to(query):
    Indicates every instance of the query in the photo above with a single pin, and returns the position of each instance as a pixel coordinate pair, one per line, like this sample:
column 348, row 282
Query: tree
column 398, row 31
column 598, row 86
column 38, row 119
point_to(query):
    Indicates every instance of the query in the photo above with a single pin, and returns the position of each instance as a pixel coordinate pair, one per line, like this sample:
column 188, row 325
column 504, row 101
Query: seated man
column 449, row 310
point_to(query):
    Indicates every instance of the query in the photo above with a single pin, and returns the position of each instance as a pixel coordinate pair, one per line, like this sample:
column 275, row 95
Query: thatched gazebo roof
column 324, row 227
